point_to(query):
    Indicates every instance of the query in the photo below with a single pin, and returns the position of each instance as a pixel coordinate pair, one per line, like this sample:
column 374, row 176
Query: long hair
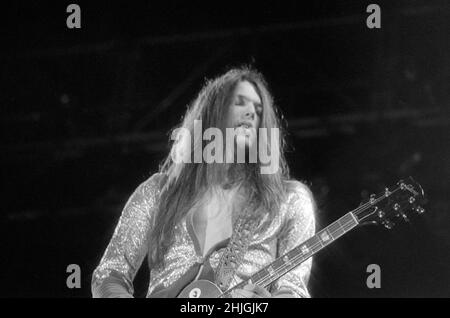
column 187, row 182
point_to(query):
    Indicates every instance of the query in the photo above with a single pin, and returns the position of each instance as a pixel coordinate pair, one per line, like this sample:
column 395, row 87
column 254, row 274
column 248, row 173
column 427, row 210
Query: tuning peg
column 387, row 192
column 420, row 210
column 401, row 184
column 404, row 216
column 388, row 224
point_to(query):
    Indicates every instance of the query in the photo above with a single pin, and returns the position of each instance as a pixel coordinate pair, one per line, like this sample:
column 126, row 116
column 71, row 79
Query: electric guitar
column 384, row 208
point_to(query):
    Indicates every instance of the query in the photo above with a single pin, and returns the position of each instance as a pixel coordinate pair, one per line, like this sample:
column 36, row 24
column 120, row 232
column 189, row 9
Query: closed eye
column 242, row 101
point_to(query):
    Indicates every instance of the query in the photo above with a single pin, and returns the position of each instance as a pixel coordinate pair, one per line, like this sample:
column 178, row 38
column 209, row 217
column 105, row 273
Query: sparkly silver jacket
column 128, row 246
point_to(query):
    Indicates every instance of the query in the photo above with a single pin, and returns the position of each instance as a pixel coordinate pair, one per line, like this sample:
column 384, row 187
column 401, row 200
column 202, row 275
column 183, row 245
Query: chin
column 246, row 145
column 244, row 142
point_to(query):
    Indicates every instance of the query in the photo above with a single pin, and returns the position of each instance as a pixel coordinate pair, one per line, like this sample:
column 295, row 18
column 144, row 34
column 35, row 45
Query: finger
column 284, row 295
column 238, row 293
column 260, row 291
column 243, row 293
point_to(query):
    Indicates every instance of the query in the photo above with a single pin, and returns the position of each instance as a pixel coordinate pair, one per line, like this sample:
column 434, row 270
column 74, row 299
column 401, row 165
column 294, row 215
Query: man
column 215, row 212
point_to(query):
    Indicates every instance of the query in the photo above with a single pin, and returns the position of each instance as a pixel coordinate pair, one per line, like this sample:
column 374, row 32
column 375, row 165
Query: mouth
column 245, row 125
column 245, row 129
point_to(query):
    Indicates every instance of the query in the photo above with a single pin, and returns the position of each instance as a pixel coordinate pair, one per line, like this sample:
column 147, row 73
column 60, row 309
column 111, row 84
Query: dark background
column 86, row 115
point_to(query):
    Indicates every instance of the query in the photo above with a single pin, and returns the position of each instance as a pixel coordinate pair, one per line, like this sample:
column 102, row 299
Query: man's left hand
column 255, row 291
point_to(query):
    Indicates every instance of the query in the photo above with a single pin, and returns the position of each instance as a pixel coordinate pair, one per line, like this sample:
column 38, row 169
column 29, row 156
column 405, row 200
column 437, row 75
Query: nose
column 250, row 112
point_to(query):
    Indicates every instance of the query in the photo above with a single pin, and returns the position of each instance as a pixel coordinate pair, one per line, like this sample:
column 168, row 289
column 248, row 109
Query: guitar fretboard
column 302, row 252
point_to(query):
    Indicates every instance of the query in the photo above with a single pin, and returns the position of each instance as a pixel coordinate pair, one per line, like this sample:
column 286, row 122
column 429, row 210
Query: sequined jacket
column 128, row 246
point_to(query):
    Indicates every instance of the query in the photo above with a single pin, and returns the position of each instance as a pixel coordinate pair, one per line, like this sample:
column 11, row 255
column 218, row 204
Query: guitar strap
column 243, row 229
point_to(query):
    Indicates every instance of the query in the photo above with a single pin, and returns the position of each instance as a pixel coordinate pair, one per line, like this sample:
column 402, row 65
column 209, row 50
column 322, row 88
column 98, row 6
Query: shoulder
column 146, row 196
column 153, row 184
column 299, row 200
column 297, row 190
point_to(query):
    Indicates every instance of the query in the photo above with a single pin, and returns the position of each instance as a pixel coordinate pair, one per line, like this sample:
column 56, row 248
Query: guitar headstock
column 393, row 204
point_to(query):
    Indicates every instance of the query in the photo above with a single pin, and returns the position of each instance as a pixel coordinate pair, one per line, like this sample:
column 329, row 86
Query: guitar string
column 357, row 212
column 286, row 267
column 282, row 270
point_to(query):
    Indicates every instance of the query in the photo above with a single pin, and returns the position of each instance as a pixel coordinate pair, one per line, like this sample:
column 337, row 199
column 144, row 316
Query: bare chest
column 212, row 224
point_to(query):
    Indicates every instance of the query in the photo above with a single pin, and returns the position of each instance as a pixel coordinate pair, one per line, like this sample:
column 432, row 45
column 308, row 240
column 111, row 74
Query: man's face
column 244, row 114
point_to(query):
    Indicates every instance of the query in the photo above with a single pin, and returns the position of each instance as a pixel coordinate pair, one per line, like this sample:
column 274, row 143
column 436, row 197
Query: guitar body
column 200, row 289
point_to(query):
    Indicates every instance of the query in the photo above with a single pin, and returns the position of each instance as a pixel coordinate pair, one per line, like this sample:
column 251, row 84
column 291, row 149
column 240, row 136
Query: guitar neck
column 302, row 252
